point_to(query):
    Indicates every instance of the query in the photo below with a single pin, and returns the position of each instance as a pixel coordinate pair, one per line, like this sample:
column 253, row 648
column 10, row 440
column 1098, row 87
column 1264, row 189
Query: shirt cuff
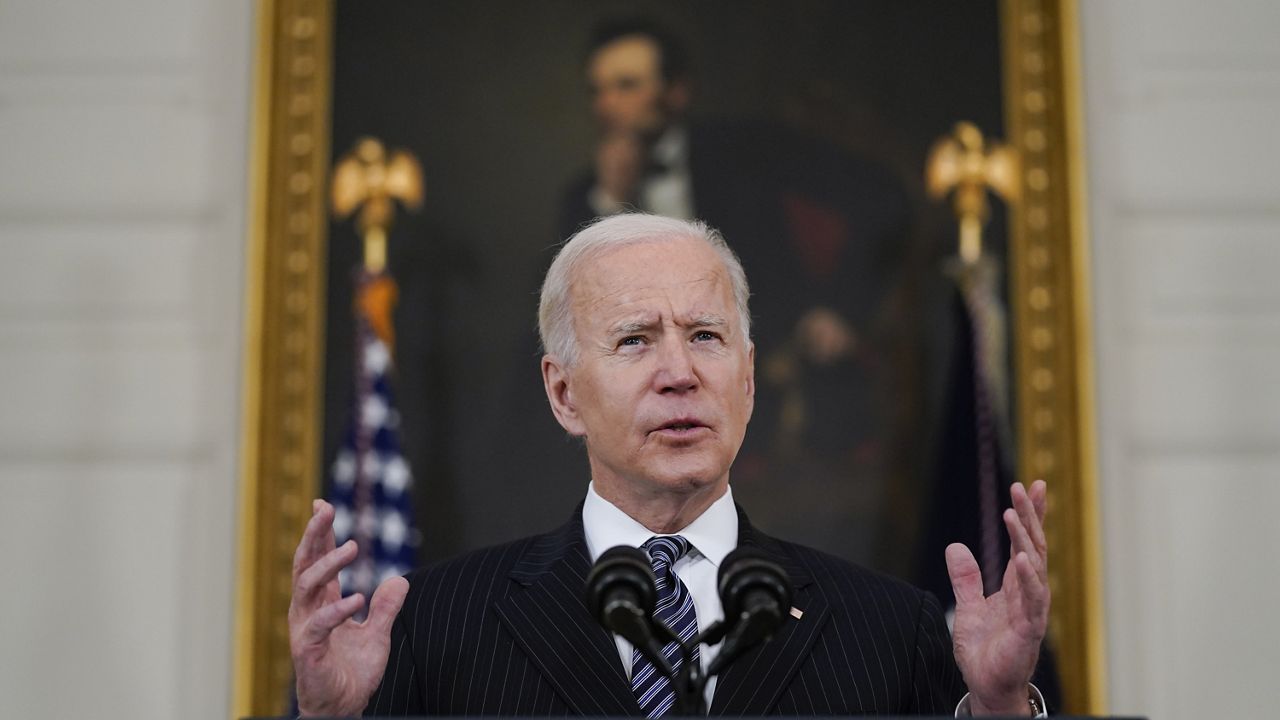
column 1034, row 698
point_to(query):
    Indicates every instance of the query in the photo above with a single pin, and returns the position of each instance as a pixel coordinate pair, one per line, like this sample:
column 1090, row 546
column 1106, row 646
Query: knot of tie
column 666, row 549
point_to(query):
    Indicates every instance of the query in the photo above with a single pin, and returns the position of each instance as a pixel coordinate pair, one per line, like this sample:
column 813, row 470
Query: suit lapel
column 753, row 684
column 550, row 621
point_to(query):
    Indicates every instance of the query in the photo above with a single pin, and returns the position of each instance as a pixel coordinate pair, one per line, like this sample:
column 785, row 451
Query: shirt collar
column 713, row 534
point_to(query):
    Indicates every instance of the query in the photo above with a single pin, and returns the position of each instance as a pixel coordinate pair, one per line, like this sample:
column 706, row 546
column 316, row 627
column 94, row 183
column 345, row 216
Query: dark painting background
column 490, row 96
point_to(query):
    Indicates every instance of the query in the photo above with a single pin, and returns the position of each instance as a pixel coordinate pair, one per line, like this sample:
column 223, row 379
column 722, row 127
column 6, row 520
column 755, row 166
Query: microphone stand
column 620, row 591
column 691, row 682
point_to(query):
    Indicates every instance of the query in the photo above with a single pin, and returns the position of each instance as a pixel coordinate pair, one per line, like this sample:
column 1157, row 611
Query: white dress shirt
column 711, row 536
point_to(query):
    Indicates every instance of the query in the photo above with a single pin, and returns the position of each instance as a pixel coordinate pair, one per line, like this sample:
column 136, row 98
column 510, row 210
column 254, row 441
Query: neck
column 662, row 511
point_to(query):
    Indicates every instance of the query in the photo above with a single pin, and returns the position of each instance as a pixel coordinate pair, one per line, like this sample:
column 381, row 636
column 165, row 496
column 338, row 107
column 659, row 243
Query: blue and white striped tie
column 675, row 608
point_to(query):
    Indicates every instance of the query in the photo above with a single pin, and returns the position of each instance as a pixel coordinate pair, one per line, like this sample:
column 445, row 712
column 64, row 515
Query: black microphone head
column 756, row 595
column 747, row 571
column 622, row 594
column 621, row 571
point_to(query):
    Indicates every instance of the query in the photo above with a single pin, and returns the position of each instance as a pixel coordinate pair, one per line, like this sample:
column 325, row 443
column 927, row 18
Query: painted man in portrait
column 818, row 230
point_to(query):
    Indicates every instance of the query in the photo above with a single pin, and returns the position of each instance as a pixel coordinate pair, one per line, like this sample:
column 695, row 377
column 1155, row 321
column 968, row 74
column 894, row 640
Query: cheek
column 603, row 406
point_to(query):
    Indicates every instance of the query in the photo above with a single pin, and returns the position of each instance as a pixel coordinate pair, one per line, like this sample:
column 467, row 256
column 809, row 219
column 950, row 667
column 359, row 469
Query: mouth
column 683, row 427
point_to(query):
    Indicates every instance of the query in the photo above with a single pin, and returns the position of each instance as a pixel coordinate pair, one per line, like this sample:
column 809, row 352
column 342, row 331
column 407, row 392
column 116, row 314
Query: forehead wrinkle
column 646, row 291
column 601, row 299
column 596, row 296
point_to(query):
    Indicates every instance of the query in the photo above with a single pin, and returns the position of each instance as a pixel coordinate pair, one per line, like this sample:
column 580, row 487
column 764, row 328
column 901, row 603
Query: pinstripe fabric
column 504, row 631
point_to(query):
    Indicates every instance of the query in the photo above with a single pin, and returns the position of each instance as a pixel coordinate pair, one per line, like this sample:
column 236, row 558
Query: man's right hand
column 338, row 661
column 619, row 166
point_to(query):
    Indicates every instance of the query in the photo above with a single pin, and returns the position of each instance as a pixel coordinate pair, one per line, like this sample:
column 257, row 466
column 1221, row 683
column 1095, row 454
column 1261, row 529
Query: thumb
column 966, row 577
column 386, row 603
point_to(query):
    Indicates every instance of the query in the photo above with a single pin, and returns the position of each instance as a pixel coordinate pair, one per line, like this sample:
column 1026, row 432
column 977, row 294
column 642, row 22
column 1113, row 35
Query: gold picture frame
column 284, row 331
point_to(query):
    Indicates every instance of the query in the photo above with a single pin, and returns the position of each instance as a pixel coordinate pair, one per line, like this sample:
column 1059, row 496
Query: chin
column 689, row 477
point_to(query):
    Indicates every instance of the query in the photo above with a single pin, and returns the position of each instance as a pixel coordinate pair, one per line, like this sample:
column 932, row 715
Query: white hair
column 555, row 314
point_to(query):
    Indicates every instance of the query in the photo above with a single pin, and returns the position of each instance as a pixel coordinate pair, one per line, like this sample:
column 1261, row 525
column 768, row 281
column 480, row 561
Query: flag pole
column 370, row 477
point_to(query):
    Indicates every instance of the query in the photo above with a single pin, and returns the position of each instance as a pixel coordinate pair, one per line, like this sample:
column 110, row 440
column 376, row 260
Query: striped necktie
column 675, row 608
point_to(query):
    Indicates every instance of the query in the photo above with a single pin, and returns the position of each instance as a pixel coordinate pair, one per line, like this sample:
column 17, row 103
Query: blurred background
column 124, row 152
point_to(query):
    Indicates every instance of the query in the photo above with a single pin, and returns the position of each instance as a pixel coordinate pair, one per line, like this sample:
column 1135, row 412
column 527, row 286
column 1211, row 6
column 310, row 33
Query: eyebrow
column 634, row 326
column 708, row 320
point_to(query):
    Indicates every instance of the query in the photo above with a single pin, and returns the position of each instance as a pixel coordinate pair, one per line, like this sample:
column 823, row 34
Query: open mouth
column 680, row 427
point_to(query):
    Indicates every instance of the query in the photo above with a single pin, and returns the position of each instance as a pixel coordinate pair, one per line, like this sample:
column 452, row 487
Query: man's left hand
column 997, row 638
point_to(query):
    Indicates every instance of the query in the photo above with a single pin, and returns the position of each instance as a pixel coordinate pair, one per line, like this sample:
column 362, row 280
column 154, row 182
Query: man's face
column 628, row 93
column 664, row 384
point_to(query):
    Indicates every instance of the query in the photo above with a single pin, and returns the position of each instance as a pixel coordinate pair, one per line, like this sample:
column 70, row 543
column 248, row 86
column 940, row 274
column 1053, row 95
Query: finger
column 386, row 603
column 323, row 571
column 1034, row 595
column 317, row 538
column 966, row 577
column 1039, row 493
column 324, row 620
column 1031, row 519
column 1020, row 539
column 1011, row 590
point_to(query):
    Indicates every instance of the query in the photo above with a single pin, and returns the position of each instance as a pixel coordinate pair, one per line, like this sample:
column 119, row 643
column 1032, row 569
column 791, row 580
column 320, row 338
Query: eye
column 631, row 340
column 704, row 336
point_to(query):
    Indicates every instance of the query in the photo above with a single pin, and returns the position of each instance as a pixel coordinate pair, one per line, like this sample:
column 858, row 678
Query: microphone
column 621, row 592
column 756, row 595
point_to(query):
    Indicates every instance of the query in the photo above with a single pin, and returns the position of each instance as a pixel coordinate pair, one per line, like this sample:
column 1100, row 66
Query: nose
column 675, row 372
column 605, row 104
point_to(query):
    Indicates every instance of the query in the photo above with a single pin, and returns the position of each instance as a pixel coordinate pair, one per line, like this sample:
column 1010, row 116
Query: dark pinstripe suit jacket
column 504, row 631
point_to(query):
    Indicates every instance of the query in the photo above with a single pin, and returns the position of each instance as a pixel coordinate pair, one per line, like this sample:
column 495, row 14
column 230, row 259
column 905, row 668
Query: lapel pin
column 797, row 613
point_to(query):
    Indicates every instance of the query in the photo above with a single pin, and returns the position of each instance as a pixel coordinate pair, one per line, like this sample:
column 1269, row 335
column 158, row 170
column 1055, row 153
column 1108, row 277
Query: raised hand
column 619, row 166
column 338, row 661
column 997, row 638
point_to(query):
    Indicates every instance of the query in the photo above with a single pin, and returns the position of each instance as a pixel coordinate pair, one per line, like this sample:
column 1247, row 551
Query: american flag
column 370, row 479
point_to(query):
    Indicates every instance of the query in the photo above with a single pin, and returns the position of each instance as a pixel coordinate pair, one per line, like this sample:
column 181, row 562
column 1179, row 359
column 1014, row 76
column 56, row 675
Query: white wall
column 123, row 136
column 1182, row 103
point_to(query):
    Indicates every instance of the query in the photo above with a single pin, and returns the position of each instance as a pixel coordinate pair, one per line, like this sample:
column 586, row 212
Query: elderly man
column 649, row 360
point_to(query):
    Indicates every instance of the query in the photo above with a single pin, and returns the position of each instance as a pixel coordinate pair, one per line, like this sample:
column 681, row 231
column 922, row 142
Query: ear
column 557, row 381
column 751, row 379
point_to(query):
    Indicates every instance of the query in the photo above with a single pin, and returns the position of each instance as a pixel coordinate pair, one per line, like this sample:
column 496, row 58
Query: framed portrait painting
column 901, row 180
